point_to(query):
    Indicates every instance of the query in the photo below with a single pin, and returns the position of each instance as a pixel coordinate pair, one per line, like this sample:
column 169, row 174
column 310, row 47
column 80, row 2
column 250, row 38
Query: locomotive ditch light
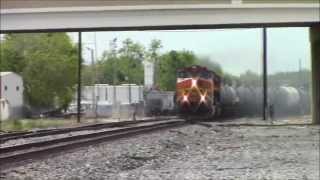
column 203, row 98
column 185, row 98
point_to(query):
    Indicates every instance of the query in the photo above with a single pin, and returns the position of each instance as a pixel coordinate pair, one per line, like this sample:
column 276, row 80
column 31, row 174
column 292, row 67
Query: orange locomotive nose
column 194, row 96
column 195, row 90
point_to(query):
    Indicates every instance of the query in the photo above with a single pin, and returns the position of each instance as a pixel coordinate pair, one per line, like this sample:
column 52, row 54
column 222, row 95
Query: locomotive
column 198, row 91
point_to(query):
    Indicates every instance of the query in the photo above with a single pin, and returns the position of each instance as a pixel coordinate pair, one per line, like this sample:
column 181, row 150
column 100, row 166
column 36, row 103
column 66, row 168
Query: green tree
column 107, row 66
column 153, row 52
column 169, row 63
column 48, row 64
column 129, row 62
column 123, row 65
column 296, row 79
column 12, row 51
column 153, row 56
column 230, row 79
column 250, row 78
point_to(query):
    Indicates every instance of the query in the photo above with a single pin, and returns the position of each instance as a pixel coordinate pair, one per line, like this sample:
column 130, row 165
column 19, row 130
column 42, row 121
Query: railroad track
column 13, row 155
column 29, row 134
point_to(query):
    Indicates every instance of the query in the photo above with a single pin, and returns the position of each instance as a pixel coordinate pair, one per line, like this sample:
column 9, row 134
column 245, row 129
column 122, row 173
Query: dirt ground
column 217, row 151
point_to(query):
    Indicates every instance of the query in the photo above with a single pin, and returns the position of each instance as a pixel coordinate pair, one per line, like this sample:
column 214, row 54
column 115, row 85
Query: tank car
column 304, row 101
column 286, row 100
column 246, row 100
column 229, row 101
column 197, row 91
column 256, row 101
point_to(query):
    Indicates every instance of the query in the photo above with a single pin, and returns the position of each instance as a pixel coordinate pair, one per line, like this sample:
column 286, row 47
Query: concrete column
column 315, row 50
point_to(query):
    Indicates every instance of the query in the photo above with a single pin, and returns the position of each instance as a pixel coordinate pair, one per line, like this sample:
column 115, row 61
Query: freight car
column 229, row 101
column 288, row 100
column 250, row 100
column 159, row 103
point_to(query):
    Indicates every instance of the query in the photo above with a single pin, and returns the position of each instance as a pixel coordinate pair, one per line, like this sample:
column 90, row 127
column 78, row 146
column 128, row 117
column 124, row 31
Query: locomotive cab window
column 183, row 74
column 205, row 74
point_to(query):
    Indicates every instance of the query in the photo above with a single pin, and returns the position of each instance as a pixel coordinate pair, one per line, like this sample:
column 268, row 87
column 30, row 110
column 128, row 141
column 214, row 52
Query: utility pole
column 265, row 74
column 79, row 76
column 155, row 72
column 300, row 73
column 95, row 46
column 130, row 95
column 113, row 47
column 93, row 81
column 96, row 54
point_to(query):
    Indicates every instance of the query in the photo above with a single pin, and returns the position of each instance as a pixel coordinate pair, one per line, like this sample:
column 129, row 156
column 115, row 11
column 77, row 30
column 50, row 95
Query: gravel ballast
column 191, row 152
column 27, row 140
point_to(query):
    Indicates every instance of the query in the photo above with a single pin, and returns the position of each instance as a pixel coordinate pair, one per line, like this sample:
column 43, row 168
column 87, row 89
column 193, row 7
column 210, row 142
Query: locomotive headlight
column 194, row 83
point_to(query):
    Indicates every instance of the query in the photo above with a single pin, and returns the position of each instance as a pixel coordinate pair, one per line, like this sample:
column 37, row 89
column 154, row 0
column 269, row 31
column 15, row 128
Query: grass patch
column 29, row 124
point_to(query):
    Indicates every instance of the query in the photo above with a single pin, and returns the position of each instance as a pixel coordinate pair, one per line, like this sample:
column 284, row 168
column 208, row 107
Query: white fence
column 103, row 100
column 109, row 95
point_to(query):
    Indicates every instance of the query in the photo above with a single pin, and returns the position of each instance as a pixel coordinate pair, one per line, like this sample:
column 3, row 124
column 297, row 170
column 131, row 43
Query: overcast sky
column 237, row 50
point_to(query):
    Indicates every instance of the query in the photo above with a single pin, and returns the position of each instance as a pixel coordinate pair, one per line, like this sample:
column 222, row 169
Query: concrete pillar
column 315, row 50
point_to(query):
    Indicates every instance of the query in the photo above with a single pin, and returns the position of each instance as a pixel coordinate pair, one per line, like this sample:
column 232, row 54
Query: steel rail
column 19, row 153
column 28, row 134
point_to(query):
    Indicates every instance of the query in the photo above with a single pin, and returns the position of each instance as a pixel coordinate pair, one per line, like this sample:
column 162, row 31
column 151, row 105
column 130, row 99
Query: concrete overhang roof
column 149, row 15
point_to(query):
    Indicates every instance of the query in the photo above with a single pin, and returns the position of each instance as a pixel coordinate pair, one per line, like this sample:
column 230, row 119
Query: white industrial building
column 11, row 95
